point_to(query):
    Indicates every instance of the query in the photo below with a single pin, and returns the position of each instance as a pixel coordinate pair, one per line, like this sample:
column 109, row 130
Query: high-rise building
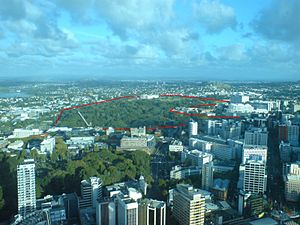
column 256, row 137
column 26, row 187
column 91, row 190
column 127, row 211
column 106, row 212
column 207, row 176
column 250, row 151
column 293, row 135
column 289, row 133
column 193, row 128
column 189, row 205
column 255, row 178
column 292, row 182
column 152, row 212
column 197, row 157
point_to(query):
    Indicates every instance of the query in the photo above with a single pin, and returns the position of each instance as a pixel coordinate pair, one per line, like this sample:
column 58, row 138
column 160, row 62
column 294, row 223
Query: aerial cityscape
column 149, row 112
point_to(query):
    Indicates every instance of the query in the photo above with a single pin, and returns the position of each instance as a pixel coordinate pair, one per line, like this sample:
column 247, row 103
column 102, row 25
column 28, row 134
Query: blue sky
column 145, row 39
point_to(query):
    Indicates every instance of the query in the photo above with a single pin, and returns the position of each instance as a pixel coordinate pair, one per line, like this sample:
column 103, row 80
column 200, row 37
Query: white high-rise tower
column 193, row 128
column 26, row 187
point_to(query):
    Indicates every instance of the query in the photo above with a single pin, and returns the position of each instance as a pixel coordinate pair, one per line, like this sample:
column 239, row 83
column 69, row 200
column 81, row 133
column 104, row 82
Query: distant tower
column 26, row 187
column 193, row 128
column 143, row 185
column 90, row 191
column 207, row 175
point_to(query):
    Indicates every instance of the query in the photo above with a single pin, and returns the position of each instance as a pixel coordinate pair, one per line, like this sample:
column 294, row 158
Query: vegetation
column 62, row 175
column 129, row 113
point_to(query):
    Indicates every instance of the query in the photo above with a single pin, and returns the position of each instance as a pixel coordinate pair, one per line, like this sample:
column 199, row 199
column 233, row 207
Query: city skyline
column 201, row 39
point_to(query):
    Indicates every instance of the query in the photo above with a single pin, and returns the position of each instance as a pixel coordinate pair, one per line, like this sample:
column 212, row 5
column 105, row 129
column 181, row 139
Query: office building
column 106, row 212
column 250, row 150
column 198, row 158
column 293, row 135
column 152, row 212
column 127, row 211
column 188, row 205
column 256, row 137
column 292, row 182
column 255, row 178
column 207, row 176
column 48, row 145
column 193, row 128
column 220, row 189
column 26, row 187
column 91, row 190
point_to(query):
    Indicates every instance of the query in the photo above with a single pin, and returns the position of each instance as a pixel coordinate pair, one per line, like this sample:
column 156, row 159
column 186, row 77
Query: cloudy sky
column 197, row 39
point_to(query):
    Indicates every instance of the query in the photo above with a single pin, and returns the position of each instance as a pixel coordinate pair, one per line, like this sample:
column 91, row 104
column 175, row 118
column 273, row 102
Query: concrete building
column 138, row 131
column 207, row 175
column 292, row 182
column 223, row 151
column 137, row 142
column 289, row 133
column 22, row 133
column 250, row 151
column 152, row 212
column 26, row 187
column 239, row 98
column 285, row 150
column 220, row 189
column 106, row 212
column 189, row 205
column 195, row 143
column 293, row 135
column 179, row 172
column 176, row 146
column 198, row 158
column 256, row 137
column 48, row 145
column 127, row 211
column 91, row 190
column 255, row 178
column 193, row 128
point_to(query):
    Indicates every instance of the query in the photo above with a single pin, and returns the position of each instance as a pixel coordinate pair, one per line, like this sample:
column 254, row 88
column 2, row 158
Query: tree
column 2, row 202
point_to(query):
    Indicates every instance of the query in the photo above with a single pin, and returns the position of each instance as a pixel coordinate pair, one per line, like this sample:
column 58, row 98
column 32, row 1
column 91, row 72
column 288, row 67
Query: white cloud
column 214, row 16
column 235, row 52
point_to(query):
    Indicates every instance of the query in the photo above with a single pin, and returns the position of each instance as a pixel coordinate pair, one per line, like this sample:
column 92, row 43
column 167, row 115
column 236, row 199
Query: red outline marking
column 172, row 110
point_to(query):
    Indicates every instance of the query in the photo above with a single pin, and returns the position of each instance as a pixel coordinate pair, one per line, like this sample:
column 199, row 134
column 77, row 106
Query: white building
column 195, row 143
column 127, row 211
column 239, row 98
column 48, row 145
column 189, row 205
column 176, row 146
column 197, row 157
column 26, row 187
column 193, row 128
column 255, row 178
column 292, row 182
column 91, row 190
column 254, row 150
column 179, row 172
column 22, row 133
